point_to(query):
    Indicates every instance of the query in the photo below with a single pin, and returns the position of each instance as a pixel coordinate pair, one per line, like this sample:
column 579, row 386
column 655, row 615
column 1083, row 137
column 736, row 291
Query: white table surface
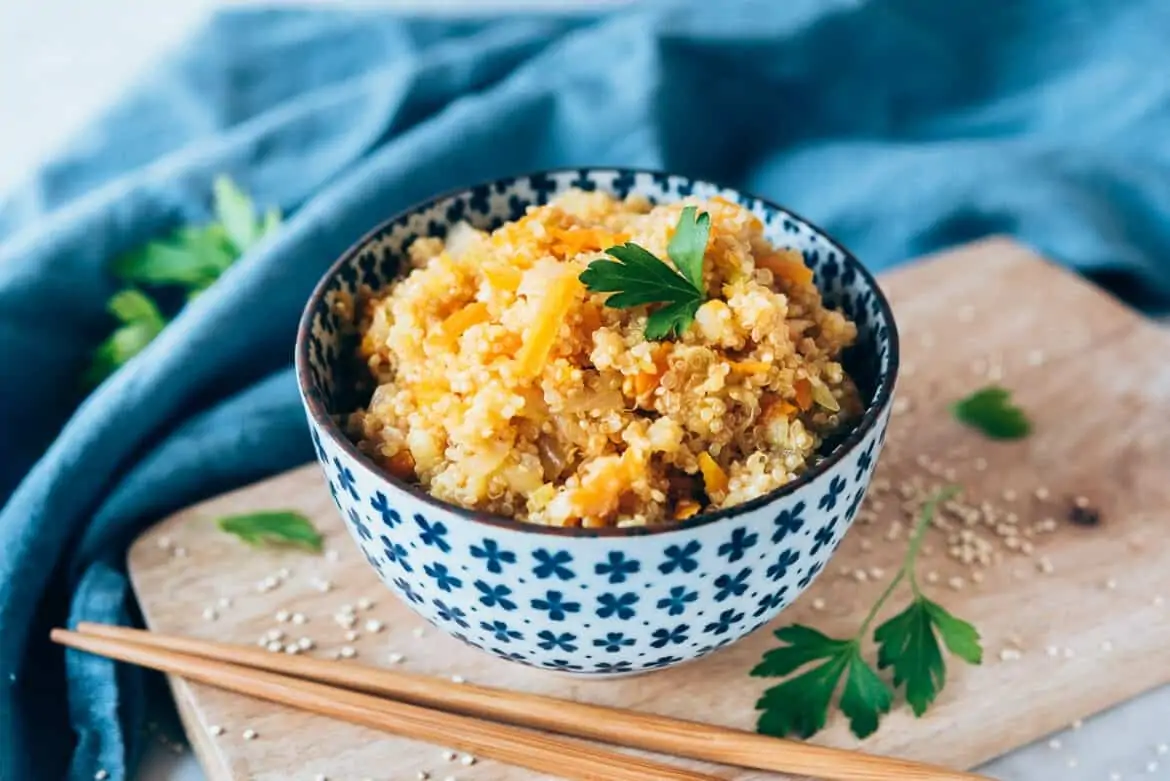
column 56, row 70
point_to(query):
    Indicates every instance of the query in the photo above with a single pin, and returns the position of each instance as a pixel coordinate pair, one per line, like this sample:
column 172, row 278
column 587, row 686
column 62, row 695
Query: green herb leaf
column 907, row 643
column 637, row 277
column 192, row 258
column 991, row 411
column 689, row 244
column 141, row 322
column 236, row 213
column 274, row 527
column 800, row 704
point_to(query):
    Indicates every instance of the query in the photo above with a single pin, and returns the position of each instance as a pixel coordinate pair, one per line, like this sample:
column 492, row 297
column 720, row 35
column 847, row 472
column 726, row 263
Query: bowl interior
column 332, row 380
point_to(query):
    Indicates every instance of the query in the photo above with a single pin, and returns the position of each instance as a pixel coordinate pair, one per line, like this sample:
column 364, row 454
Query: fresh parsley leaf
column 689, row 244
column 236, row 213
column 800, row 704
column 637, row 277
column 991, row 411
column 907, row 643
column 192, row 258
column 273, row 527
column 671, row 320
column 140, row 321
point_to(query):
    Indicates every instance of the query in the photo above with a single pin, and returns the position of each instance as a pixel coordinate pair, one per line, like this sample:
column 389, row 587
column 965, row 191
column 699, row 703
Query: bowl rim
column 314, row 403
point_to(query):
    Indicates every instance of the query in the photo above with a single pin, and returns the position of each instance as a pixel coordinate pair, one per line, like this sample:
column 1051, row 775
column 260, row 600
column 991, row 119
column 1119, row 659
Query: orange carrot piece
column 685, row 509
column 804, row 397
column 714, row 478
column 550, row 314
column 788, row 264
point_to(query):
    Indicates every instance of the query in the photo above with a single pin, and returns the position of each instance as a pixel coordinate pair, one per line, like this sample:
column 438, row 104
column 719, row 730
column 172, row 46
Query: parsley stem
column 873, row 611
column 907, row 569
column 924, row 519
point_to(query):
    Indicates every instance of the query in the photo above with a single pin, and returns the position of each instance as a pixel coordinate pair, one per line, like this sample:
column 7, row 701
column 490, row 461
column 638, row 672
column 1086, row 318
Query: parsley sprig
column 638, row 277
column 908, row 643
column 190, row 259
column 991, row 411
column 280, row 527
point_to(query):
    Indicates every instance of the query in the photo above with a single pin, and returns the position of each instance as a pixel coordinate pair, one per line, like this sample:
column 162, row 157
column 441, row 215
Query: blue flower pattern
column 381, row 505
column 788, row 522
column 675, row 604
column 359, row 525
column 681, row 558
column 552, row 565
column 442, row 577
column 617, row 567
column 428, row 562
column 493, row 555
column 615, row 605
column 740, row 542
column 555, row 604
column 728, row 585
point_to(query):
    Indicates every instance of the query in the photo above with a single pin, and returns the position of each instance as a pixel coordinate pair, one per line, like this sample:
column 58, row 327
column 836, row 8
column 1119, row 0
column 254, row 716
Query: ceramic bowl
column 597, row 601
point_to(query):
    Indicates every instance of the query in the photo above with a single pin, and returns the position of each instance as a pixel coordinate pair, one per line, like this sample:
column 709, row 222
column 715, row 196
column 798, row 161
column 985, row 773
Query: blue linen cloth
column 902, row 126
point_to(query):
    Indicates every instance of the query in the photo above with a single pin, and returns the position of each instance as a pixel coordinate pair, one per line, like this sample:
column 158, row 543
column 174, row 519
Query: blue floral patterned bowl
column 600, row 601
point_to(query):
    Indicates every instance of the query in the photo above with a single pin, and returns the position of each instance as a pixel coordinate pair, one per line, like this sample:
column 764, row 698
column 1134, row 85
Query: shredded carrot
column 401, row 465
column 461, row 319
column 714, row 478
column 804, row 398
column 788, row 264
column 685, row 509
column 609, row 480
column 567, row 242
column 751, row 367
column 644, row 382
column 550, row 314
column 503, row 277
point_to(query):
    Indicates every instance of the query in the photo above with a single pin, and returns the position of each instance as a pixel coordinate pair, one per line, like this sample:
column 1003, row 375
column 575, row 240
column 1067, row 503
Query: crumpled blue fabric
column 902, row 126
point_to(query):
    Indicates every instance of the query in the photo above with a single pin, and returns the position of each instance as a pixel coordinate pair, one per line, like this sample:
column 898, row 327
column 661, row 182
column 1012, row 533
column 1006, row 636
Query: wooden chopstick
column 662, row 734
column 513, row 745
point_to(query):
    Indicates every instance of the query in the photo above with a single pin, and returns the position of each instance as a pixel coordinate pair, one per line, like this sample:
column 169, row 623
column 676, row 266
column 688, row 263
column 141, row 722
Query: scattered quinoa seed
column 275, row 647
column 418, row 632
column 347, row 652
column 458, row 679
column 1077, row 724
column 282, row 616
column 225, row 602
column 373, row 625
column 101, row 775
column 364, row 603
column 449, row 756
column 299, row 618
column 250, row 734
column 467, row 760
column 165, row 542
column 818, row 604
column 396, row 658
column 351, row 636
column 1054, row 744
column 1151, row 766
column 1162, row 749
column 215, row 729
column 1111, row 584
column 181, row 552
column 209, row 614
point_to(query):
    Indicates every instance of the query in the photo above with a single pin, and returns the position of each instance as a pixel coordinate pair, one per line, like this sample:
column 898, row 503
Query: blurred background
column 62, row 61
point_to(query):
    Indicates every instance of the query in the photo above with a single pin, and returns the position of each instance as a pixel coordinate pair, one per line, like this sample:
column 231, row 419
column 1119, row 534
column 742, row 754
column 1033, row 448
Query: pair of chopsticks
column 490, row 723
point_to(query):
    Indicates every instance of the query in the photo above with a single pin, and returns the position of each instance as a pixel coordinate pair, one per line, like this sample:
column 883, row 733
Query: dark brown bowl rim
column 316, row 407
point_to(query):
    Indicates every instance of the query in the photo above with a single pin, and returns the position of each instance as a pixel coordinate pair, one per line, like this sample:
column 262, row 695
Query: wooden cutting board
column 1060, row 644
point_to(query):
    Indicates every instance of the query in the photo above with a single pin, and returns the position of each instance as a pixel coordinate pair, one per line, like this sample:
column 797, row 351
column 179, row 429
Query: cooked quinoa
column 504, row 386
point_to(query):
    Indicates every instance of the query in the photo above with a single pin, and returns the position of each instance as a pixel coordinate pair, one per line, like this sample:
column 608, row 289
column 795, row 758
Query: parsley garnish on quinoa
column 639, row 277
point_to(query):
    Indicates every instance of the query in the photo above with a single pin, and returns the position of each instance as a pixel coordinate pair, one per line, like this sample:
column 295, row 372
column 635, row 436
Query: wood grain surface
column 1076, row 626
